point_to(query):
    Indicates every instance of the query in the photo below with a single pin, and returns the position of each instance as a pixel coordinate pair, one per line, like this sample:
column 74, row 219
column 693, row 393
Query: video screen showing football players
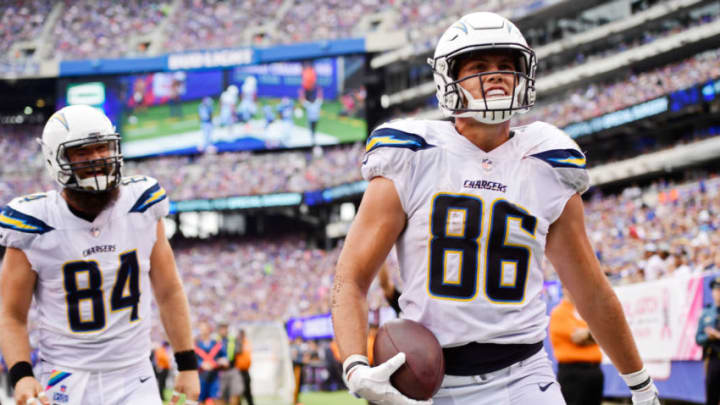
column 279, row 105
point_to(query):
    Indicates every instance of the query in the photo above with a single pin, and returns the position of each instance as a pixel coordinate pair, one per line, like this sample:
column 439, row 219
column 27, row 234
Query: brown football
column 421, row 375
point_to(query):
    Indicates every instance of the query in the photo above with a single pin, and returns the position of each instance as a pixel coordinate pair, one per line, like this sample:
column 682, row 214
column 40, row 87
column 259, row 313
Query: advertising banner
column 663, row 316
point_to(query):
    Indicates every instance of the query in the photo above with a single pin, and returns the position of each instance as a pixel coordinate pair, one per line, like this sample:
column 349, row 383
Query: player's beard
column 91, row 203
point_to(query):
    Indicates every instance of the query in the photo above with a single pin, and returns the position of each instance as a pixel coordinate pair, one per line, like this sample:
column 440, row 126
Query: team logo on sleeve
column 563, row 158
column 150, row 197
column 17, row 221
column 394, row 138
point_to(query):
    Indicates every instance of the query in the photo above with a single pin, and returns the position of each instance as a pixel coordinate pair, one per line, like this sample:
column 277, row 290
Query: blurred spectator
column 708, row 336
column 578, row 355
column 654, row 266
column 161, row 364
column 243, row 362
column 211, row 357
column 231, row 384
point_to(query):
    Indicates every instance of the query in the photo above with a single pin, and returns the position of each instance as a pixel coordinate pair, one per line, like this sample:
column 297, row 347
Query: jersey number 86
column 500, row 255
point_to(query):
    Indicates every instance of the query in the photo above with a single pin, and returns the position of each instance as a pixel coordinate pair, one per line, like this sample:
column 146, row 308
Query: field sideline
column 329, row 398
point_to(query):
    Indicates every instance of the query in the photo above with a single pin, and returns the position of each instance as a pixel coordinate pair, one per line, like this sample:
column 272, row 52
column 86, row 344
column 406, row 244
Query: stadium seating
column 91, row 29
column 248, row 273
column 21, row 21
column 596, row 99
column 87, row 29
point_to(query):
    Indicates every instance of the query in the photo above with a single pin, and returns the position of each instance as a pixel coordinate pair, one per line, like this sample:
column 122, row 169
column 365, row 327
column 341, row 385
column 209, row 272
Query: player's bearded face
column 488, row 74
column 89, row 160
column 92, row 202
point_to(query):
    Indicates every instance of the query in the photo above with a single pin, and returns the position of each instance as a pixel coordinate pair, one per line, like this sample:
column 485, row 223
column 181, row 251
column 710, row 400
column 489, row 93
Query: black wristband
column 20, row 370
column 641, row 385
column 186, row 360
column 353, row 365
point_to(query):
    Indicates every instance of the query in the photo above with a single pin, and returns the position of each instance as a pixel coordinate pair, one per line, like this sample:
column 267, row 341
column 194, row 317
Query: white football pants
column 530, row 381
column 134, row 385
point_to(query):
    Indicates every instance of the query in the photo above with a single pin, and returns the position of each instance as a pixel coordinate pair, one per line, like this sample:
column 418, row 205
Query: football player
column 472, row 207
column 89, row 255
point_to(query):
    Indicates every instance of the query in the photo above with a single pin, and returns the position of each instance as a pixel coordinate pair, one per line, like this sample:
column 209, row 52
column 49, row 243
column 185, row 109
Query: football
column 421, row 375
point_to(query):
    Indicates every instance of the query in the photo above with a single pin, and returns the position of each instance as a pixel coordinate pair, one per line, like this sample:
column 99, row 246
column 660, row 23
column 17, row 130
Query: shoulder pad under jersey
column 147, row 196
column 391, row 147
column 23, row 219
column 551, row 145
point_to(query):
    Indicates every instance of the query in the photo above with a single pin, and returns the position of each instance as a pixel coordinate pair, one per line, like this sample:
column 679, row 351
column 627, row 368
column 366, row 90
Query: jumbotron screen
column 278, row 105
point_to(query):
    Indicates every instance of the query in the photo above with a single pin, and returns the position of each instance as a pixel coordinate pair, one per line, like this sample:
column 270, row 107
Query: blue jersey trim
column 562, row 158
column 150, row 197
column 394, row 138
column 17, row 221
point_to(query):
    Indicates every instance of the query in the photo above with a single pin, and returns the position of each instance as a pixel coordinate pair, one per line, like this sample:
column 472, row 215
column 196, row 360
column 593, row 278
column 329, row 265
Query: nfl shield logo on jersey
column 487, row 164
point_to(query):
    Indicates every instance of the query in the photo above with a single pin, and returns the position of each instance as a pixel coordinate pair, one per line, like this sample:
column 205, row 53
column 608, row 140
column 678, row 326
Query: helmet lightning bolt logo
column 461, row 26
column 61, row 117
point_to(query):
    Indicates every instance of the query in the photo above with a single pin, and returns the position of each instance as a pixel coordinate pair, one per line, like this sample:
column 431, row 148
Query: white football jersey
column 471, row 251
column 93, row 291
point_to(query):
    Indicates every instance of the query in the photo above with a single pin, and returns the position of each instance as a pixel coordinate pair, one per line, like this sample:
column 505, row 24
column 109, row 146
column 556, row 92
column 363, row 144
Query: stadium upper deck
column 86, row 29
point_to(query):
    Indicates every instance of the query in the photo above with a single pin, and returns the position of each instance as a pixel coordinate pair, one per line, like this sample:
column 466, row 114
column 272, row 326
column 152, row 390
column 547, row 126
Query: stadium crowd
column 258, row 279
column 600, row 98
column 603, row 50
column 90, row 28
column 245, row 173
column 192, row 177
column 21, row 21
column 664, row 230
column 667, row 229
column 200, row 24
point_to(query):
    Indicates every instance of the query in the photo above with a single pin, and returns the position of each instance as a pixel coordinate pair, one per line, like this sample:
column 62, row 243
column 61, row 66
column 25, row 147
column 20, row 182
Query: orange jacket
column 162, row 359
column 243, row 360
column 563, row 322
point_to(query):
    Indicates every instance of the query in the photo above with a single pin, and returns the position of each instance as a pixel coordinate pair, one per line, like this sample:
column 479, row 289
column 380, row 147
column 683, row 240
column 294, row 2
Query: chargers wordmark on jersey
column 17, row 221
column 394, row 138
column 150, row 197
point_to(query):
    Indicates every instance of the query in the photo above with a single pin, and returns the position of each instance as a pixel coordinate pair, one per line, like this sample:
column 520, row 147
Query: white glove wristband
column 352, row 361
column 638, row 380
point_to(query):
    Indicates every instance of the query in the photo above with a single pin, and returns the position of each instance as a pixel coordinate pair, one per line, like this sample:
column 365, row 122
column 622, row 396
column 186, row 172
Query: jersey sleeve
column 562, row 172
column 557, row 149
column 390, row 153
column 21, row 222
column 150, row 197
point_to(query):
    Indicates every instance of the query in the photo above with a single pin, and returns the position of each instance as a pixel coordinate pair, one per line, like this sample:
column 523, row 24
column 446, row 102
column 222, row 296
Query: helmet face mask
column 66, row 134
column 476, row 34
column 93, row 175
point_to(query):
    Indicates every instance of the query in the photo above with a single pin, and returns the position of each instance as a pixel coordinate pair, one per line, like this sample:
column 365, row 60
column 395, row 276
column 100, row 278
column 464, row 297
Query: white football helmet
column 76, row 126
column 480, row 32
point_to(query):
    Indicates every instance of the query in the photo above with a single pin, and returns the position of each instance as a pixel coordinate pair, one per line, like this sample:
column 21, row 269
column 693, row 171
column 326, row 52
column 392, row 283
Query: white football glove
column 642, row 388
column 373, row 383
